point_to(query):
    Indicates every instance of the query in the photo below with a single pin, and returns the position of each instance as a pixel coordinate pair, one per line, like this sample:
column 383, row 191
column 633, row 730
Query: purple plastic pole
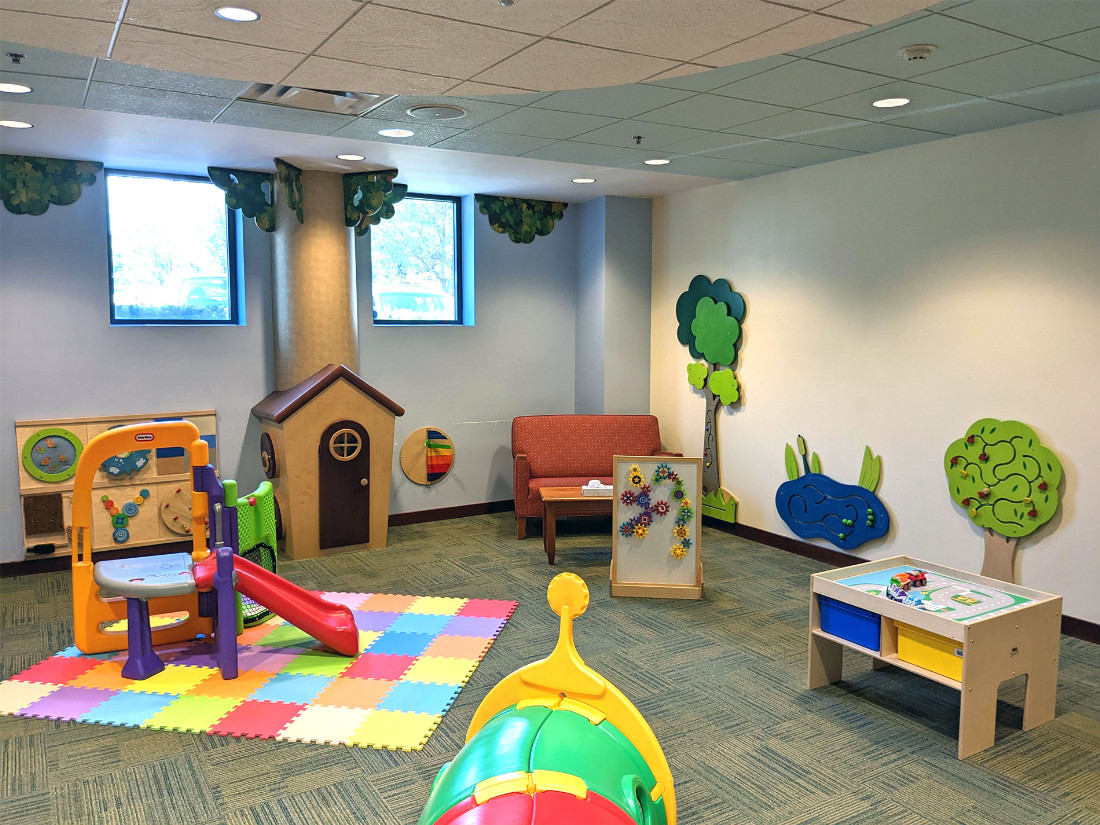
column 225, row 632
column 142, row 661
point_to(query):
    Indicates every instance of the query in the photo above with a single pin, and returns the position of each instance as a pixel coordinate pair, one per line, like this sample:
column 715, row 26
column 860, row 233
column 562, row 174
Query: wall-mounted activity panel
column 129, row 491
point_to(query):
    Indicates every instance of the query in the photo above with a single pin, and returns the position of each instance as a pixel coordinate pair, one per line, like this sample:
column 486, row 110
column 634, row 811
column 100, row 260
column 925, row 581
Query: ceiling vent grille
column 315, row 100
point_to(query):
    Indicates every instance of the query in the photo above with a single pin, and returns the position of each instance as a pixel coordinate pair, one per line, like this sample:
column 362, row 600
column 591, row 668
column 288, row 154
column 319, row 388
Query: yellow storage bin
column 930, row 651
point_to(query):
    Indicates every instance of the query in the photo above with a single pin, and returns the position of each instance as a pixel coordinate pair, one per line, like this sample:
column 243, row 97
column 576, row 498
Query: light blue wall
column 60, row 358
column 592, row 217
column 627, row 276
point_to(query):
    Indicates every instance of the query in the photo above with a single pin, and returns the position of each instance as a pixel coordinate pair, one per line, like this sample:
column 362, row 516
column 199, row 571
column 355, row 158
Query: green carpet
column 721, row 682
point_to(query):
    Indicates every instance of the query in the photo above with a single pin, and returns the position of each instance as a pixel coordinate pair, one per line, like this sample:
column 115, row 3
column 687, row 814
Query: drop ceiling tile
column 711, row 112
column 551, row 65
column 47, row 62
column 496, row 94
column 184, row 52
column 477, row 111
column 613, row 101
column 705, row 167
column 282, row 118
column 810, row 5
column 874, row 12
column 365, row 128
column 135, row 100
column 1077, row 95
column 974, row 115
column 801, row 83
column 488, row 142
column 1011, row 71
column 51, row 91
column 540, row 18
column 414, row 43
column 922, row 99
column 64, row 34
column 782, row 153
column 547, row 124
column 85, row 9
column 125, row 74
column 868, row 137
column 1036, row 20
column 695, row 28
column 797, row 34
column 958, row 42
column 709, row 143
column 288, row 27
column 681, row 71
column 793, row 124
column 710, row 80
column 1086, row 44
column 317, row 72
column 654, row 135
column 588, row 154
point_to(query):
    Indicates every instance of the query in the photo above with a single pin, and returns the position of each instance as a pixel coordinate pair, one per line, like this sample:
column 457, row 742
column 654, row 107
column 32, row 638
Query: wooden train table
column 975, row 633
column 567, row 501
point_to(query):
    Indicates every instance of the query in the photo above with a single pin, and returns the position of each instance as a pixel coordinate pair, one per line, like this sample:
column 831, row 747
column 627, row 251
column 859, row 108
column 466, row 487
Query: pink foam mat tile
column 57, row 670
column 352, row 600
column 257, row 720
column 488, row 608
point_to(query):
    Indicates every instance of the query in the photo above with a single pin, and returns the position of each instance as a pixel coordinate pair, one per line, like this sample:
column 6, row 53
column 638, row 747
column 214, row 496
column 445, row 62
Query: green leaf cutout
column 791, row 462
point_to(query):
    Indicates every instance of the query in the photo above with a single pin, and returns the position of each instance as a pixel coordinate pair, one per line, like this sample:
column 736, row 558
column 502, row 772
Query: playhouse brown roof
column 282, row 404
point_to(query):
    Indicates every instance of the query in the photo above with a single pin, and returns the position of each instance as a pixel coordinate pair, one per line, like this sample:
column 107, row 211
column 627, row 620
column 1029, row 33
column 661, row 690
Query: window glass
column 172, row 250
column 415, row 263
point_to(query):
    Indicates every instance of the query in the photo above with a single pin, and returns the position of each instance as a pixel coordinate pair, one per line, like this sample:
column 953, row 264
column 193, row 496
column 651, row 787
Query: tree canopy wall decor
column 369, row 198
column 251, row 192
column 290, row 176
column 1008, row 483
column 30, row 184
column 521, row 219
column 709, row 317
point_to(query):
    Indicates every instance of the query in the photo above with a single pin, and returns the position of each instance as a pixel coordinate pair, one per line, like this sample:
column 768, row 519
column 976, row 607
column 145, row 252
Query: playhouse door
column 343, row 459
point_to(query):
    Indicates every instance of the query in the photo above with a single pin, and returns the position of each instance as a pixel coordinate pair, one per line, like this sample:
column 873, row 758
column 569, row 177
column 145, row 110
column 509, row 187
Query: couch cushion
column 582, row 445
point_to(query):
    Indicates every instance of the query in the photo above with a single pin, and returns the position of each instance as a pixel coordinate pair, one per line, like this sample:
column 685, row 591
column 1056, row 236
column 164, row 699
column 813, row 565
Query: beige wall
column 894, row 299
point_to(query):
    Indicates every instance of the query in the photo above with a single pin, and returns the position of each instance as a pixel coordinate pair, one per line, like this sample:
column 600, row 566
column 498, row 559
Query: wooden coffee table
column 567, row 501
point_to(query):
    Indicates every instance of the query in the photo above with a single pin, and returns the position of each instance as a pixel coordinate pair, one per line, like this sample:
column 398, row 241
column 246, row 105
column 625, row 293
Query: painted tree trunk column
column 711, row 476
column 313, row 283
column 1000, row 557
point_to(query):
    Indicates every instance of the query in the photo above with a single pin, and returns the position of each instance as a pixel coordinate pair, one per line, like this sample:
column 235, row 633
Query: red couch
column 571, row 450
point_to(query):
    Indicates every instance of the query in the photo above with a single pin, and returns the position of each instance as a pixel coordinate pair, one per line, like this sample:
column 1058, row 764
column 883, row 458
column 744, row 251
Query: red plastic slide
column 333, row 624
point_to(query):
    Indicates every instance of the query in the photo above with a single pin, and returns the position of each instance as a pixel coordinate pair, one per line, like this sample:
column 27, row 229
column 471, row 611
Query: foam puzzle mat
column 416, row 654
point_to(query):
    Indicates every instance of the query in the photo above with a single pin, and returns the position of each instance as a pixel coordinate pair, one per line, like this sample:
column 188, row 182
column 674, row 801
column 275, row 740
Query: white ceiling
column 727, row 89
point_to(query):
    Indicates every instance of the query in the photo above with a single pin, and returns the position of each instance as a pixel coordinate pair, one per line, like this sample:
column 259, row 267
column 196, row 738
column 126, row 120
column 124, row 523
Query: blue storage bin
column 848, row 622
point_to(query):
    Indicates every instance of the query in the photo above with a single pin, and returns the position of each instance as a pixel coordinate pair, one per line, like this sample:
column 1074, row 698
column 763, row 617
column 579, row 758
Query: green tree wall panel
column 709, row 317
column 369, row 198
column 290, row 177
column 1007, row 482
column 521, row 219
column 251, row 192
column 31, row 184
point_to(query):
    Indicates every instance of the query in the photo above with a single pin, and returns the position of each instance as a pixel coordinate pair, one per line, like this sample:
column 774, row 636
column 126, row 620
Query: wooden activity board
column 149, row 490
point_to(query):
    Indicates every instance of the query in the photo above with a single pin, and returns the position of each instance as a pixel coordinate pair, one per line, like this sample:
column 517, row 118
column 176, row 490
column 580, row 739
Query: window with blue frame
column 416, row 262
column 173, row 250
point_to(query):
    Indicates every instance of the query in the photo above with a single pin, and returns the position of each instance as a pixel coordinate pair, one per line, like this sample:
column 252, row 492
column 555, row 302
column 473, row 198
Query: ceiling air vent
column 316, row 100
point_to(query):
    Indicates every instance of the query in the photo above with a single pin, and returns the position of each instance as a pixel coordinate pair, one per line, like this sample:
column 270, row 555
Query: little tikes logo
column 143, row 437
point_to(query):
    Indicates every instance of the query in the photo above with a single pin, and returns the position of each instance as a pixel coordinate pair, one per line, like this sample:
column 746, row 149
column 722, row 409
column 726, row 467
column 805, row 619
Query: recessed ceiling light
column 395, row 133
column 16, row 124
column 237, row 14
column 506, row 3
column 436, row 111
column 15, row 88
column 350, row 157
column 891, row 102
column 584, row 180
column 657, row 162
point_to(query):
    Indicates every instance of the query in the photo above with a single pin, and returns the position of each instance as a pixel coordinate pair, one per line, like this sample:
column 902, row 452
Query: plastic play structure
column 555, row 742
column 192, row 594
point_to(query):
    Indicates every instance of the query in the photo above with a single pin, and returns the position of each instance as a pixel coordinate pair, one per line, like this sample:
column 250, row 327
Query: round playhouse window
column 345, row 445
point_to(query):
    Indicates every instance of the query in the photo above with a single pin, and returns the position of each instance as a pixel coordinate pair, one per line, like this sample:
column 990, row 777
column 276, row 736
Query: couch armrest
column 667, row 454
column 521, row 477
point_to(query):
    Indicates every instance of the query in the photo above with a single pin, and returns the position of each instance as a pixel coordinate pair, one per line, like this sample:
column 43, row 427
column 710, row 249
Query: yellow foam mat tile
column 437, row 605
column 398, row 729
column 440, row 671
column 173, row 679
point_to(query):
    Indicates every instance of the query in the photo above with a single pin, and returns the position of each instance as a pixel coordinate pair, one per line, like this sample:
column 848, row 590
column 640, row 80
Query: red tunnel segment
column 333, row 624
column 541, row 808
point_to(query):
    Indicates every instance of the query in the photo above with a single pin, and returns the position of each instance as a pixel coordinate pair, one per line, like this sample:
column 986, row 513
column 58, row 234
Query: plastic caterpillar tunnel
column 555, row 742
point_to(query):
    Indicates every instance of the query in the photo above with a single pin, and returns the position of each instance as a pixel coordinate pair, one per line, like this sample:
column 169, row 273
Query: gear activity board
column 140, row 498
